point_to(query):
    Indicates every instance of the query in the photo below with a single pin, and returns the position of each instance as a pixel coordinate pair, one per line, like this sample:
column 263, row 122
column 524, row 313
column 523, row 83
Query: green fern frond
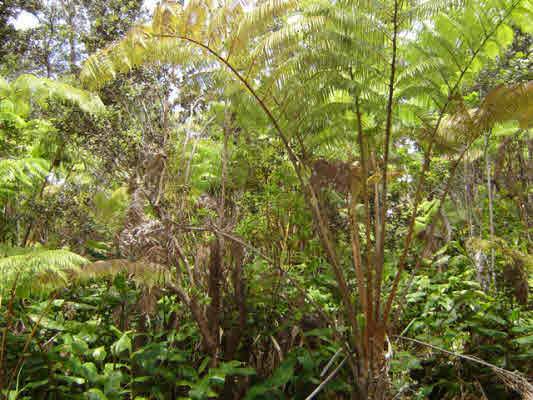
column 458, row 39
column 43, row 89
column 25, row 172
column 421, row 10
column 178, row 32
column 282, row 41
column 256, row 21
column 37, row 270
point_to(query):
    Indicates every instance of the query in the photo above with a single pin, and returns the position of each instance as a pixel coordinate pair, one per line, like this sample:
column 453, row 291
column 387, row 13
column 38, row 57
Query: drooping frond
column 500, row 105
column 40, row 270
column 457, row 128
column 507, row 103
column 185, row 35
column 141, row 272
column 139, row 47
column 42, row 89
column 36, row 270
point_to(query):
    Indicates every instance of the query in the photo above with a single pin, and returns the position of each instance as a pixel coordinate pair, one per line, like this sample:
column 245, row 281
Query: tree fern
column 341, row 59
column 348, row 40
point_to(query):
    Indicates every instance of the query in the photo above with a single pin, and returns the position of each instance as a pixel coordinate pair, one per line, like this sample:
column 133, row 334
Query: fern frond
column 507, row 103
column 24, row 172
column 258, row 19
column 500, row 105
column 142, row 273
column 421, row 10
column 37, row 270
column 43, row 89
column 178, row 33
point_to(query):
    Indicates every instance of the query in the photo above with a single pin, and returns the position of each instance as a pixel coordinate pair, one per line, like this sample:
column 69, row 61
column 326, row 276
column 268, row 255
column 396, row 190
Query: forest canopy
column 266, row 199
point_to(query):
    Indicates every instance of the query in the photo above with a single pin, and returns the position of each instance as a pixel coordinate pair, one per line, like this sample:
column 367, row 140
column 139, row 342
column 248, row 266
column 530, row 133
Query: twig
column 402, row 389
column 278, row 348
column 325, row 381
column 330, row 362
column 465, row 357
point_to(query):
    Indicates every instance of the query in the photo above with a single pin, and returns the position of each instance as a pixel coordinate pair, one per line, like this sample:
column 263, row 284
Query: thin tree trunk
column 492, row 273
column 380, row 241
column 529, row 192
column 468, row 198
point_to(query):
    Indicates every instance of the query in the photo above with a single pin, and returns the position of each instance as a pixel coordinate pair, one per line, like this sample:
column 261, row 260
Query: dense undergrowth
column 113, row 339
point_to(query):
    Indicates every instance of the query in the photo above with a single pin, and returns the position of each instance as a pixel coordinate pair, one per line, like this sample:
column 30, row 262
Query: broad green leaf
column 36, row 384
column 204, row 364
column 95, row 394
column 491, row 332
column 525, row 340
column 71, row 379
column 217, row 379
column 122, row 344
column 99, row 354
column 90, row 371
column 234, row 368
column 280, row 377
column 113, row 382
column 47, row 323
column 496, row 318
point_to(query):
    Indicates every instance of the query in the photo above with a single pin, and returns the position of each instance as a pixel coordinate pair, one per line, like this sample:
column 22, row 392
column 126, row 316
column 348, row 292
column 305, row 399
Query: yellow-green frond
column 43, row 89
column 36, row 270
